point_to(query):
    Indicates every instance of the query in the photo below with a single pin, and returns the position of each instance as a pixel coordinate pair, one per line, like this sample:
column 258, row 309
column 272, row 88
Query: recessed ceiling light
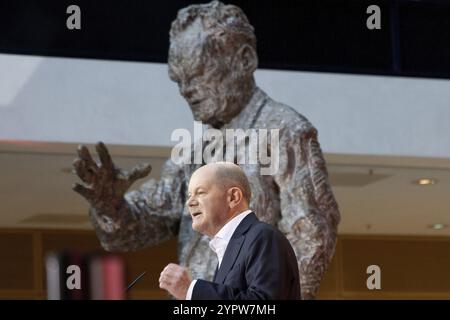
column 438, row 226
column 425, row 181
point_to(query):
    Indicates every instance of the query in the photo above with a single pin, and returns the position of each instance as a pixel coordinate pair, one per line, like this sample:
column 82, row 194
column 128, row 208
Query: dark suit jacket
column 259, row 263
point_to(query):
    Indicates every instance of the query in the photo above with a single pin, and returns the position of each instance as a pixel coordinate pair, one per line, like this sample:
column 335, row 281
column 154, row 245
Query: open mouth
column 196, row 214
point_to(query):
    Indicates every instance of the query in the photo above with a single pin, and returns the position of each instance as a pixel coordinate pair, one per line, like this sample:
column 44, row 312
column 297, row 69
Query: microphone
column 135, row 281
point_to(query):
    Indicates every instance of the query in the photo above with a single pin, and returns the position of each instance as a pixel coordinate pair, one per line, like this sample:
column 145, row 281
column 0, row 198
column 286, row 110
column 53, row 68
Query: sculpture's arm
column 309, row 211
column 129, row 221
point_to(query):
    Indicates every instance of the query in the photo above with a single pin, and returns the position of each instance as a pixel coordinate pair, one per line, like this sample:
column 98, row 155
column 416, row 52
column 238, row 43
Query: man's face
column 207, row 202
column 205, row 80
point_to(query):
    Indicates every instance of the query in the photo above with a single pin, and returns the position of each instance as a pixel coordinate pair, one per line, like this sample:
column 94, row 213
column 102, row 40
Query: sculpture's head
column 212, row 57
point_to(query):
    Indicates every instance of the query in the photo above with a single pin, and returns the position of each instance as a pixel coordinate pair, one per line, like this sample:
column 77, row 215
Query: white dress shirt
column 219, row 243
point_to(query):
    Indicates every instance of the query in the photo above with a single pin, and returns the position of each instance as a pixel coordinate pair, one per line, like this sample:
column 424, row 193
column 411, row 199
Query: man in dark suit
column 256, row 261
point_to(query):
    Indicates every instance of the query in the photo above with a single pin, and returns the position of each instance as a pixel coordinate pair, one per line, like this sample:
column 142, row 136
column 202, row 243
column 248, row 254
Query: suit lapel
column 234, row 247
column 215, row 273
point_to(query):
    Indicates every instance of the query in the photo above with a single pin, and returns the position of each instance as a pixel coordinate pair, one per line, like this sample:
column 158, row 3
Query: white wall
column 81, row 100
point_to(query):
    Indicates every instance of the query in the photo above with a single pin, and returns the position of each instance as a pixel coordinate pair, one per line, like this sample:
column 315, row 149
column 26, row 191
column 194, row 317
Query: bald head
column 231, row 175
column 227, row 175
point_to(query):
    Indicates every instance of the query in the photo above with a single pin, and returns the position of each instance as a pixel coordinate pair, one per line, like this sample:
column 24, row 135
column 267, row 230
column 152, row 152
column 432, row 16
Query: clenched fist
column 176, row 280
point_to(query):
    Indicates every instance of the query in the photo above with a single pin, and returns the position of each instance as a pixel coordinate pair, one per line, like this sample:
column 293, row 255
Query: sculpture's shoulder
column 280, row 116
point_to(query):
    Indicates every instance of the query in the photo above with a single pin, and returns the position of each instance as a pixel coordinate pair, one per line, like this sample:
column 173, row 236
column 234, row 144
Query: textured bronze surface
column 212, row 57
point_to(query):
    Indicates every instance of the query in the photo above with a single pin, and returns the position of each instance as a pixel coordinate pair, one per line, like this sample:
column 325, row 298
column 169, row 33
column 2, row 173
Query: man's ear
column 245, row 60
column 235, row 197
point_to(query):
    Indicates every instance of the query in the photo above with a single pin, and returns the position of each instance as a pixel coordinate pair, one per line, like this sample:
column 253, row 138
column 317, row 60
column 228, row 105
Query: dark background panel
column 320, row 35
column 129, row 30
column 425, row 37
column 292, row 34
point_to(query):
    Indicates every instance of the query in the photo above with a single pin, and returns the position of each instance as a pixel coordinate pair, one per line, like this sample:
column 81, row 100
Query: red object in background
column 113, row 278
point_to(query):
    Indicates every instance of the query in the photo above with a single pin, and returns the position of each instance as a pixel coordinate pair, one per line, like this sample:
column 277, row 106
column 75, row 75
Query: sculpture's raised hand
column 104, row 185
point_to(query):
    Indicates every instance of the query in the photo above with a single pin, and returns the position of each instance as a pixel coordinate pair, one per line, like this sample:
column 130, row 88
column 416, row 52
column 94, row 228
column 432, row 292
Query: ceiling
column 375, row 194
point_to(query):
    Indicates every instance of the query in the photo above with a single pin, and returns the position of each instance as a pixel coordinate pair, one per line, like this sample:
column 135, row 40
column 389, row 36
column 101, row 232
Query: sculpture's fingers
column 140, row 171
column 82, row 171
column 87, row 193
column 85, row 155
column 104, row 156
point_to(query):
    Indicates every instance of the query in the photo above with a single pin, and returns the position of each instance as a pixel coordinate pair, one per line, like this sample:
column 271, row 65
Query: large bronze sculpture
column 212, row 57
